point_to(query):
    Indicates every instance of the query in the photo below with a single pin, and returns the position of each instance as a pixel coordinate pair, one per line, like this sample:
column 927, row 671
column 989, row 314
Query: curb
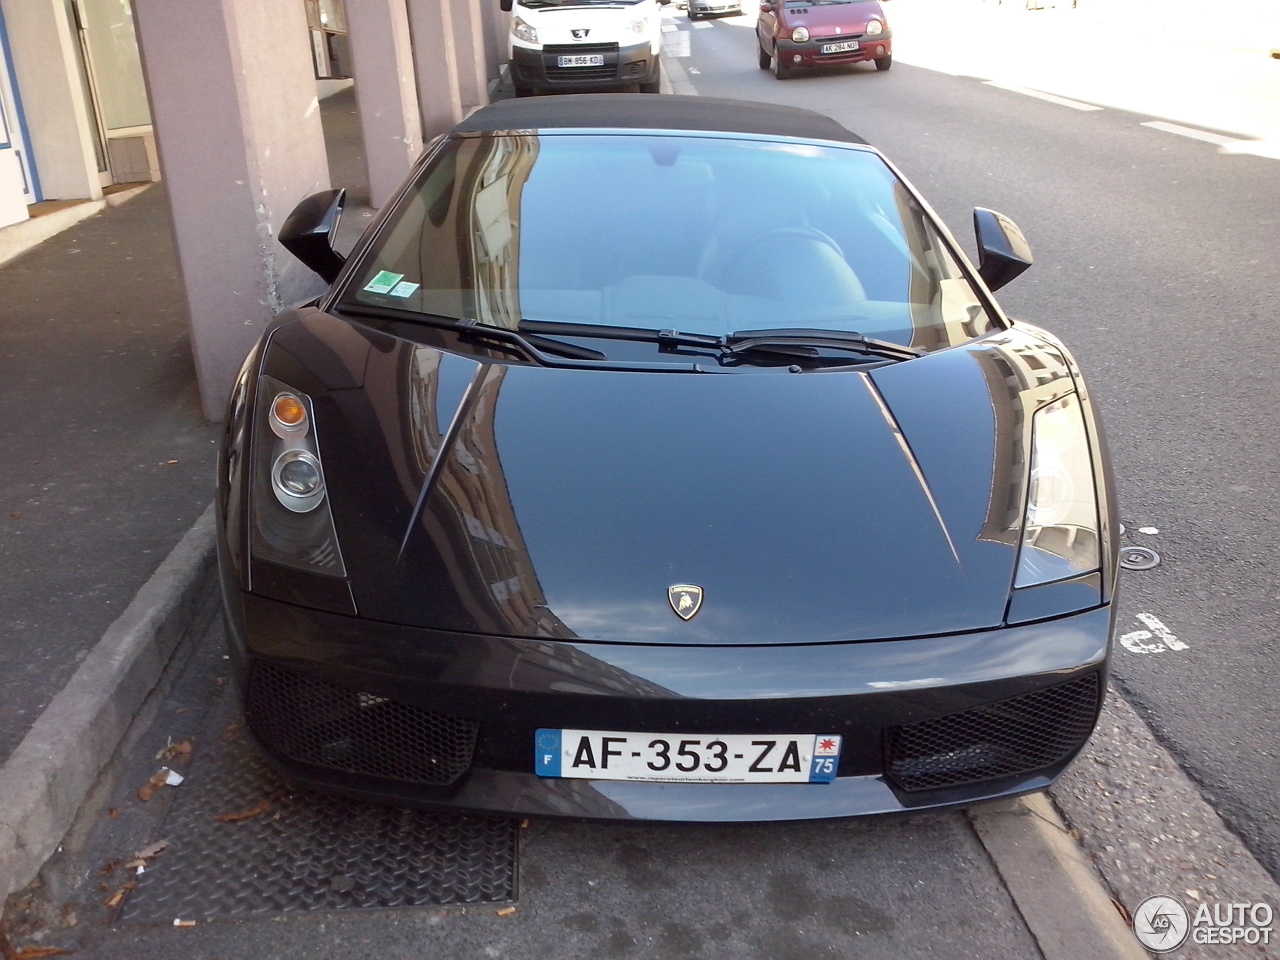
column 1055, row 887
column 44, row 782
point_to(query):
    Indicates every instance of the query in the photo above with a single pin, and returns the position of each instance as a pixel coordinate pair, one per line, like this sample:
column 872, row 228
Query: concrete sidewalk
column 108, row 465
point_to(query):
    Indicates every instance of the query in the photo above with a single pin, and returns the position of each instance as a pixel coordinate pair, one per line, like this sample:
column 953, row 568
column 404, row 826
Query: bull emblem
column 685, row 600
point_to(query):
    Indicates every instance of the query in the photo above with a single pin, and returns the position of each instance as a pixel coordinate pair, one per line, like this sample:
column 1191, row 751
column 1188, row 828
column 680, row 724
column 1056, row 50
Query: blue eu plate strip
column 546, row 753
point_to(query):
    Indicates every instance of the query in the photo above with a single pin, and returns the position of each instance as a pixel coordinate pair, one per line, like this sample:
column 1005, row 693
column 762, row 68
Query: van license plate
column 846, row 46
column 582, row 60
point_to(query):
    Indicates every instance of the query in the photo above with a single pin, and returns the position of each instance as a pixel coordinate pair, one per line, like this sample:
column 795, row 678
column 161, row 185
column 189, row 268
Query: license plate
column 582, row 60
column 844, row 46
column 675, row 758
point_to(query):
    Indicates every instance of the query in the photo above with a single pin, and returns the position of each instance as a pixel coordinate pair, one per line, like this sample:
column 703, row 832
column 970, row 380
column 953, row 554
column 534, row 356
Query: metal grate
column 243, row 844
column 326, row 725
column 1019, row 735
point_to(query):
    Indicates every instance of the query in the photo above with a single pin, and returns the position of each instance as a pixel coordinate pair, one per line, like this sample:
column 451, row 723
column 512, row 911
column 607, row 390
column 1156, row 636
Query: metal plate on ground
column 290, row 851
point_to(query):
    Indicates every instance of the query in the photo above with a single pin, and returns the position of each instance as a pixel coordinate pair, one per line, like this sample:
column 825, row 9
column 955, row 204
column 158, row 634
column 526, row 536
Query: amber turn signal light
column 288, row 411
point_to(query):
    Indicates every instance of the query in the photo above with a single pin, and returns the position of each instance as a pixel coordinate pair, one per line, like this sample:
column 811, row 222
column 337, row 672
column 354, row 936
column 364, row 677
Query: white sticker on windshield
column 383, row 281
column 404, row 289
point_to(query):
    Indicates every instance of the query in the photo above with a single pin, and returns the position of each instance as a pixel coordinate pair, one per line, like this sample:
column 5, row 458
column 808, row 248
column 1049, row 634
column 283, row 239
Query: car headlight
column 639, row 25
column 292, row 523
column 523, row 31
column 1060, row 529
column 800, row 35
column 874, row 28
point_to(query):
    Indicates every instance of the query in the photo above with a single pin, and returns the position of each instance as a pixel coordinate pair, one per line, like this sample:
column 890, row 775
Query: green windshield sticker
column 383, row 282
column 404, row 289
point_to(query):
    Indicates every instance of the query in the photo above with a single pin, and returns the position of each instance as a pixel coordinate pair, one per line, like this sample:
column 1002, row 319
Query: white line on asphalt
column 1061, row 101
column 1191, row 132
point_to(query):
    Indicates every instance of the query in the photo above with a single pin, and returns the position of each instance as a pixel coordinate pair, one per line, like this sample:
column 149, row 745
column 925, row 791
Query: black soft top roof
column 648, row 112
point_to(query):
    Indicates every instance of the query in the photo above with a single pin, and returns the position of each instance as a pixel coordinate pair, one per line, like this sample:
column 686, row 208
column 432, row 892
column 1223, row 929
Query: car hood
column 563, row 503
column 824, row 20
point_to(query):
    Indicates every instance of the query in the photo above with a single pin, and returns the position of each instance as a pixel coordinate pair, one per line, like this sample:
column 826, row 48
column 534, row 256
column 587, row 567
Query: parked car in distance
column 558, row 46
column 799, row 34
column 710, row 8
column 610, row 480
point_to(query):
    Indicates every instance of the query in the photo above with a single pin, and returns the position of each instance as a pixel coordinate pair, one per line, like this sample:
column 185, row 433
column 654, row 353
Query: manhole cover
column 1138, row 558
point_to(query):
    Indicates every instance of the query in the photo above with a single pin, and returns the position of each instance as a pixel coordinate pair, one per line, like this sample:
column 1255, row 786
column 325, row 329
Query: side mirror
column 1003, row 252
column 504, row 5
column 308, row 233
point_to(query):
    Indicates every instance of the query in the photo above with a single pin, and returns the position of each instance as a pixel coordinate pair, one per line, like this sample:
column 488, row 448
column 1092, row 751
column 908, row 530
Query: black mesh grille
column 315, row 722
column 1019, row 735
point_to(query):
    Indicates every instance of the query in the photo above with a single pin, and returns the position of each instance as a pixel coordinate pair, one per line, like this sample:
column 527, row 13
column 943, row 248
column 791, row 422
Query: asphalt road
column 1156, row 262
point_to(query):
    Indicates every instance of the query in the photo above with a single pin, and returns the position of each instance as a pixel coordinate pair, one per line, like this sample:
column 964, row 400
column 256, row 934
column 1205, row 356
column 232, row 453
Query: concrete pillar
column 45, row 51
column 436, row 64
column 233, row 96
column 473, row 55
column 497, row 23
column 386, row 92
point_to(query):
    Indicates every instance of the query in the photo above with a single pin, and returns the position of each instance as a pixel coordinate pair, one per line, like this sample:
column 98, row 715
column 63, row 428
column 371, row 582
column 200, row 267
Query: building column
column 238, row 128
column 497, row 24
column 473, row 55
column 386, row 92
column 46, row 62
column 431, row 24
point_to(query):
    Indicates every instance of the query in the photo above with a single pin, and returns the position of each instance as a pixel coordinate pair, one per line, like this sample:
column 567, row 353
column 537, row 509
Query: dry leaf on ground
column 35, row 953
column 117, row 898
column 254, row 811
column 148, row 789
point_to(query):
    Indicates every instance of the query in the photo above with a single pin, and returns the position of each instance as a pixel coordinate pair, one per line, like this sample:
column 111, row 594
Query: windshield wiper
column 531, row 343
column 809, row 344
column 787, row 344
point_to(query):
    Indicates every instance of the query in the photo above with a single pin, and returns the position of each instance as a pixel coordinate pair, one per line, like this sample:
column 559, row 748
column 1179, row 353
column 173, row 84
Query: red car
column 815, row 33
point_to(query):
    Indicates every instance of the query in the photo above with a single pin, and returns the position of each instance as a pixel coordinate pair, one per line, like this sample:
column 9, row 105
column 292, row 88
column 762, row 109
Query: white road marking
column 1061, row 101
column 1156, row 631
column 676, row 44
column 1192, row 132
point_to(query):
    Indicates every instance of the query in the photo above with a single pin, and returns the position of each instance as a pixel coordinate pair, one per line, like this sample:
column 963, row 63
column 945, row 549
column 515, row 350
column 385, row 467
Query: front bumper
column 811, row 55
column 623, row 65
column 419, row 717
column 715, row 6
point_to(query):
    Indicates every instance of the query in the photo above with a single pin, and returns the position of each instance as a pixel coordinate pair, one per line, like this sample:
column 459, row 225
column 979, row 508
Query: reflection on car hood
column 527, row 501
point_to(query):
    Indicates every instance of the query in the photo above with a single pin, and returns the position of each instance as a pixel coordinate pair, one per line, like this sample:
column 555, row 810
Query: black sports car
column 664, row 458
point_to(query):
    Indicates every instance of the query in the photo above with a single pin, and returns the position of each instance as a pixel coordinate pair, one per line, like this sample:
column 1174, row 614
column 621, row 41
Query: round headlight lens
column 299, row 477
column 298, row 482
column 800, row 35
column 874, row 28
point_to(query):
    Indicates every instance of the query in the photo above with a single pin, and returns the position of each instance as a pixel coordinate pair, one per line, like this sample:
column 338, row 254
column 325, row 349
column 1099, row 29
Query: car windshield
column 694, row 233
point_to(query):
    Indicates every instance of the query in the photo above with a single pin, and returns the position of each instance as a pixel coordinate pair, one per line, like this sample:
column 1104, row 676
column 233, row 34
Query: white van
column 565, row 45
